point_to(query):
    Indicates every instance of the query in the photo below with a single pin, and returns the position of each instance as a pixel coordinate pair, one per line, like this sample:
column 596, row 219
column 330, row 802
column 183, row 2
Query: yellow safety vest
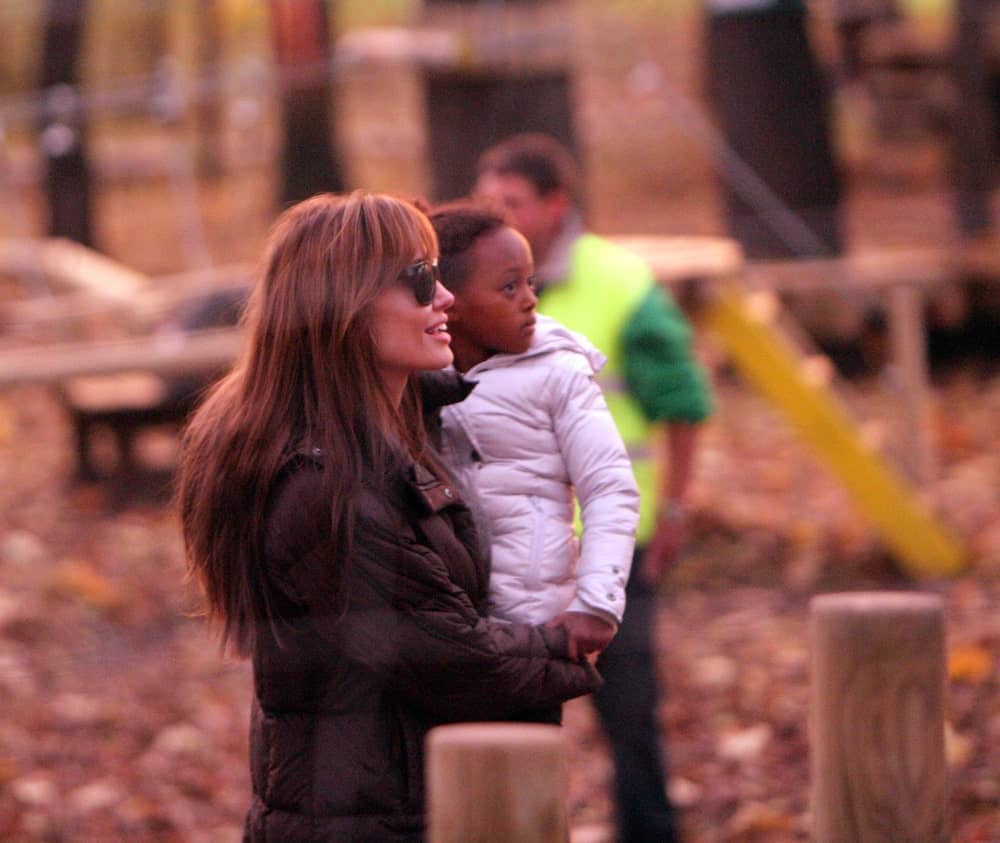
column 604, row 288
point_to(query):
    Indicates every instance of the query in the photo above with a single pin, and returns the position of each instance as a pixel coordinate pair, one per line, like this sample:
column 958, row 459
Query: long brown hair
column 307, row 378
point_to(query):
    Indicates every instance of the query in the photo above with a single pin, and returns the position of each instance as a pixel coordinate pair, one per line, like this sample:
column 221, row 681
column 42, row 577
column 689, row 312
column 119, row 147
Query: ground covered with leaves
column 123, row 722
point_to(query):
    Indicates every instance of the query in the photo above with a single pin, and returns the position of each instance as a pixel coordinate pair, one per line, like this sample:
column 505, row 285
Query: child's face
column 494, row 310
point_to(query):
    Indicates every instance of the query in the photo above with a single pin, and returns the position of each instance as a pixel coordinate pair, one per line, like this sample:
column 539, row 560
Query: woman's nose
column 443, row 298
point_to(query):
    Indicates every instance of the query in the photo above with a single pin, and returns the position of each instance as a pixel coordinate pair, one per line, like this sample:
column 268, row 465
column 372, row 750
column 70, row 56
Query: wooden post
column 910, row 356
column 496, row 783
column 878, row 680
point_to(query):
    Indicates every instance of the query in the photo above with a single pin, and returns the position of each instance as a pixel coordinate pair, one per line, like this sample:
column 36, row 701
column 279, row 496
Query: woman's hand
column 586, row 634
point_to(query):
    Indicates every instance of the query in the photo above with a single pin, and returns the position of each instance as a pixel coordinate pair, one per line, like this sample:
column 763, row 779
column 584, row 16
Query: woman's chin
column 441, row 359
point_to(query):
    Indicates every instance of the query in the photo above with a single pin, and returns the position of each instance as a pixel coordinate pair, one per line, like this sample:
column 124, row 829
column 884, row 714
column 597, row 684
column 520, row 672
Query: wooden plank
column 675, row 259
column 979, row 258
column 70, row 266
column 96, row 393
column 873, row 270
column 906, row 323
column 681, row 258
column 163, row 295
column 174, row 354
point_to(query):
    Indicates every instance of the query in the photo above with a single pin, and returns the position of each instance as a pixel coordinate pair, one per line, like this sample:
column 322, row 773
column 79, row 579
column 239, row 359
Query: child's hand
column 586, row 633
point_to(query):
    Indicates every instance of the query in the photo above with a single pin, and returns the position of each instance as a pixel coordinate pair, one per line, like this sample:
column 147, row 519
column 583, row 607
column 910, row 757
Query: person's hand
column 586, row 634
column 663, row 548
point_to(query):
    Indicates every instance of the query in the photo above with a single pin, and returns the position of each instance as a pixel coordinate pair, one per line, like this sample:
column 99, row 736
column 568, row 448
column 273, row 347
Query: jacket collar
column 434, row 493
column 555, row 268
column 442, row 387
column 431, row 492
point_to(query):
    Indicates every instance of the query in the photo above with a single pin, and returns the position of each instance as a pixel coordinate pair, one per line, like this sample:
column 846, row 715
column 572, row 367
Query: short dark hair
column 458, row 226
column 539, row 158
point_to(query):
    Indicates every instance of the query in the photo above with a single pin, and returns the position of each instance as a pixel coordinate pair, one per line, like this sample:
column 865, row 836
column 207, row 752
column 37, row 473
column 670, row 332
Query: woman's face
column 495, row 308
column 410, row 337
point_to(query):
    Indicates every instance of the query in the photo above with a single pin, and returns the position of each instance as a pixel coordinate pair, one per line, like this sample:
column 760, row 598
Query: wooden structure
column 900, row 277
column 739, row 306
column 496, row 783
column 140, row 380
column 58, row 265
column 943, row 84
column 877, row 763
column 511, row 72
column 192, row 353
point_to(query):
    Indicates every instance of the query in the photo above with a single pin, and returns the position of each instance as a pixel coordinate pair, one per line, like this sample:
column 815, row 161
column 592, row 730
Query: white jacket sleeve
column 601, row 474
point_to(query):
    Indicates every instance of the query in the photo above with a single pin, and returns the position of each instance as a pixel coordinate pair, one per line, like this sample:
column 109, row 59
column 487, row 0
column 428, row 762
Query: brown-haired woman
column 330, row 545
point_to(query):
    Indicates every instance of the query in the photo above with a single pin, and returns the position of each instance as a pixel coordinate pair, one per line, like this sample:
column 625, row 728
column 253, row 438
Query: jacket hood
column 550, row 336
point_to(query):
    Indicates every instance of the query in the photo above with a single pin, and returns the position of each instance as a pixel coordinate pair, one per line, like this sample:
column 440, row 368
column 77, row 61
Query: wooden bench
column 121, row 386
column 127, row 403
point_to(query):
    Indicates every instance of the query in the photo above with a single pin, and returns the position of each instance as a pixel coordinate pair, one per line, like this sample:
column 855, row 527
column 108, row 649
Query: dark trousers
column 627, row 704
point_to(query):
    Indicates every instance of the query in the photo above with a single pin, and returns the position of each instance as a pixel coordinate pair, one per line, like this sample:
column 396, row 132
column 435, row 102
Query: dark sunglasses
column 422, row 277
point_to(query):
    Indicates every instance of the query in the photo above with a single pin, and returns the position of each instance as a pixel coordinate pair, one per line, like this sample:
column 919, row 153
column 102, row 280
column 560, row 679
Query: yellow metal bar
column 776, row 369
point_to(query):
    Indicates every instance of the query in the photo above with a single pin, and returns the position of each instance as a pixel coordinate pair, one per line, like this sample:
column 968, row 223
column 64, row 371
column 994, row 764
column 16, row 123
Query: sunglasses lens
column 423, row 278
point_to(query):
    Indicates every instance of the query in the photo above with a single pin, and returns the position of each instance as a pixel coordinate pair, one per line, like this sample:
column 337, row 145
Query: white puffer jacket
column 535, row 429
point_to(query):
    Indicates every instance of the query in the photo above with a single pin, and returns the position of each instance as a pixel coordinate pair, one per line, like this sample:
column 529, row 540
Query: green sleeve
column 660, row 372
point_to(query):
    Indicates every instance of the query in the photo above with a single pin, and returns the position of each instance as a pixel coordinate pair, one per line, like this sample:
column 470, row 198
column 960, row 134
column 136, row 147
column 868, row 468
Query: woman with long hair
column 332, row 549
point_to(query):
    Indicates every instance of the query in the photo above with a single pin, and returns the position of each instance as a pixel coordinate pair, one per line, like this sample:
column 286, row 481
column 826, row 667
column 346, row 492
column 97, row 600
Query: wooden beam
column 872, row 270
column 676, row 259
column 909, row 343
column 65, row 264
column 173, row 354
column 163, row 295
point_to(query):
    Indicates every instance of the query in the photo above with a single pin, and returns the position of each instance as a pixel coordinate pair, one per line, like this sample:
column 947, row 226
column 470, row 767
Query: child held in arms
column 534, row 437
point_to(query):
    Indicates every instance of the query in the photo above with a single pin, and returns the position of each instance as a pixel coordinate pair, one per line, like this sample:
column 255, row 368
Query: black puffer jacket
column 343, row 702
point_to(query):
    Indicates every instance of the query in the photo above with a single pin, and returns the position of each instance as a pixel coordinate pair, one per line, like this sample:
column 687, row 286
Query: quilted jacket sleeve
column 601, row 473
column 409, row 627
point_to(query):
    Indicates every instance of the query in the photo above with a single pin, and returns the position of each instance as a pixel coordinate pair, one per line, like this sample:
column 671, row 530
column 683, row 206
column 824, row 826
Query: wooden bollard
column 496, row 783
column 878, row 685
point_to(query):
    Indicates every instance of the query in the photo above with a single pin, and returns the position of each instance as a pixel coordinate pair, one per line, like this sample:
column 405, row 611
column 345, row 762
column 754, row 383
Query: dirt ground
column 121, row 720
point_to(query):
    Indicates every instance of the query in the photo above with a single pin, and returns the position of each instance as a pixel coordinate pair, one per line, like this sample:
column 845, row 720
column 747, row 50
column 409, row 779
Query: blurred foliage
column 124, row 40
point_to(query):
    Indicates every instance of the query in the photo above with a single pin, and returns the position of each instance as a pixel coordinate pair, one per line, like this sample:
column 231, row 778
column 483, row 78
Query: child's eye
column 532, row 282
column 510, row 289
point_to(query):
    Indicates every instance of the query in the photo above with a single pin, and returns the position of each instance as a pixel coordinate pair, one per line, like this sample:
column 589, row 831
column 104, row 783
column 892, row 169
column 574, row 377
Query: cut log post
column 496, row 783
column 878, row 685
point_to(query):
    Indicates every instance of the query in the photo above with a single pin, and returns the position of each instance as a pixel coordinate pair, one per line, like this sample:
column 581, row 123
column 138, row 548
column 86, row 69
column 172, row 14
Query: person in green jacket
column 658, row 396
